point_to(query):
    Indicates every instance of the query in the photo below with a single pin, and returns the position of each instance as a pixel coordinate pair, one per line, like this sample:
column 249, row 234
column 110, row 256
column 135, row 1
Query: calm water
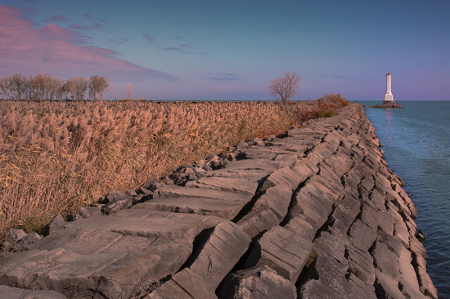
column 417, row 148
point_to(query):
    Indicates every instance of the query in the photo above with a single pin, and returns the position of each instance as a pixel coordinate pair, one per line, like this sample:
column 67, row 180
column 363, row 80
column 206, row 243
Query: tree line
column 45, row 86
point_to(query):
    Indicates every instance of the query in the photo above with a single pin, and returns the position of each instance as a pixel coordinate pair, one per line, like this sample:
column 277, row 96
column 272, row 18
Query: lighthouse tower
column 388, row 97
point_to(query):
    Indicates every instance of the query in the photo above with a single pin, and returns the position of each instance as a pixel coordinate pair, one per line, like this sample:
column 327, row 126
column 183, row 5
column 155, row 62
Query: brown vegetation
column 56, row 156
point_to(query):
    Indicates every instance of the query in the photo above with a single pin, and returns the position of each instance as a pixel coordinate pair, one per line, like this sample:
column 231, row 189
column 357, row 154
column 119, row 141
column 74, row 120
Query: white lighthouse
column 388, row 97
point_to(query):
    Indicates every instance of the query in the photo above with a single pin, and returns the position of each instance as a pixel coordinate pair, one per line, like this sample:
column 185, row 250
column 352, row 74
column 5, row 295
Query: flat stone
column 284, row 176
column 258, row 220
column 281, row 250
column 360, row 289
column 346, row 211
column 277, row 198
column 321, row 152
column 400, row 228
column 329, row 185
column 362, row 235
column 258, row 283
column 301, row 227
column 386, row 261
column 360, row 263
column 304, row 169
column 340, row 163
column 408, row 275
column 223, row 249
column 385, row 287
column 164, row 225
column 237, row 185
column 17, row 293
column 369, row 216
column 327, row 280
column 312, row 203
column 171, row 191
column 394, row 244
column 112, row 273
column 332, row 244
column 227, row 209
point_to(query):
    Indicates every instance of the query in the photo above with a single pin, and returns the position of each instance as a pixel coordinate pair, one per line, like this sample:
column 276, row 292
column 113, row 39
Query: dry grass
column 58, row 156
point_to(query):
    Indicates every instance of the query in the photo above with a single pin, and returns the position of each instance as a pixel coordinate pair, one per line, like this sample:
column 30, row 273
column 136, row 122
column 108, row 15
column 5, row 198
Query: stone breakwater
column 315, row 213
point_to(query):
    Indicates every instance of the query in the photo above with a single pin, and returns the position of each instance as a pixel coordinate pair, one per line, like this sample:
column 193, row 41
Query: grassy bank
column 57, row 156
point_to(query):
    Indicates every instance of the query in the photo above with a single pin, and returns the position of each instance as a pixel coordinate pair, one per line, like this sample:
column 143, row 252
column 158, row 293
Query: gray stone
column 346, row 211
column 114, row 207
column 224, row 208
column 17, row 293
column 332, row 244
column 360, row 289
column 149, row 224
column 13, row 236
column 258, row 283
column 281, row 250
column 362, row 235
column 184, row 284
column 301, row 227
column 340, row 163
column 312, row 203
column 277, row 198
column 56, row 223
column 284, row 176
column 114, row 196
column 223, row 249
column 360, row 263
column 327, row 280
column 238, row 185
column 86, row 212
column 305, row 169
column 386, row 261
column 386, row 288
column 258, row 220
column 242, row 146
column 26, row 241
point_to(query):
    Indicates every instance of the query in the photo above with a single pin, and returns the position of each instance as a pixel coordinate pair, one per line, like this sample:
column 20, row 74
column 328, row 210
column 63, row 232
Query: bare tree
column 56, row 85
column 18, row 84
column 129, row 90
column 4, row 86
column 77, row 87
column 97, row 85
column 285, row 87
column 115, row 92
column 42, row 84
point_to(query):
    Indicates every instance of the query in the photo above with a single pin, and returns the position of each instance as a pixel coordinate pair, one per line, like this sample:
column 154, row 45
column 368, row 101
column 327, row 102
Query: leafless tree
column 56, row 85
column 285, row 87
column 97, row 85
column 129, row 90
column 4, row 86
column 18, row 84
column 77, row 87
column 42, row 84
column 115, row 92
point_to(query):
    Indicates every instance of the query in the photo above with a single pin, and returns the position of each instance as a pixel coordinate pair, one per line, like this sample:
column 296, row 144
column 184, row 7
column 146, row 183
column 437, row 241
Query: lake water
column 416, row 142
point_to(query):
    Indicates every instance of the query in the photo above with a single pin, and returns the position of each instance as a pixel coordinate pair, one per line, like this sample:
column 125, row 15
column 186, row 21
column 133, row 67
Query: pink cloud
column 57, row 50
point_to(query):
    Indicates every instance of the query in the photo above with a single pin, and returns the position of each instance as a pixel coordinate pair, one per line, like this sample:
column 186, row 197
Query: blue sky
column 231, row 50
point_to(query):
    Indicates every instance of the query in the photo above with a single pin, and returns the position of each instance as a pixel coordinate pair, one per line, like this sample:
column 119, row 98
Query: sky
column 232, row 50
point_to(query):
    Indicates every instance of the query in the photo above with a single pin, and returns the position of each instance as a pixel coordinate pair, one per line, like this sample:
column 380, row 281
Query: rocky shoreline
column 315, row 213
